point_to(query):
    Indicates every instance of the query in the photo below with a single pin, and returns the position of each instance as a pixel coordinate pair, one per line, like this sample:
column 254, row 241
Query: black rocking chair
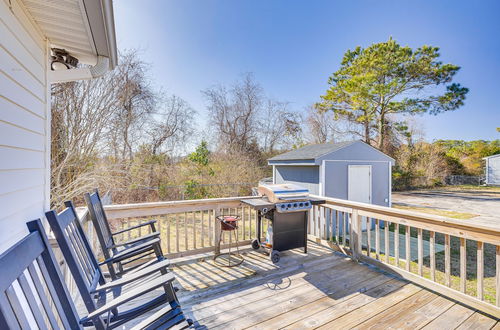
column 94, row 290
column 31, row 260
column 123, row 254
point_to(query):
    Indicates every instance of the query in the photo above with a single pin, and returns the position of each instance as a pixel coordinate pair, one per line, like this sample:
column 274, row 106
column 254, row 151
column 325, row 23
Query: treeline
column 121, row 133
column 423, row 164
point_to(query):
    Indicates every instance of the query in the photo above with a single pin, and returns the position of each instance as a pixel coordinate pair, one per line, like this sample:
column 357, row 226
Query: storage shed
column 492, row 169
column 350, row 170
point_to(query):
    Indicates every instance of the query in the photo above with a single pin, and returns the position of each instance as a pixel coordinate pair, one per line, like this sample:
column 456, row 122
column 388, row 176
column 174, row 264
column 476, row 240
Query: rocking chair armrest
column 144, row 238
column 135, row 227
column 157, row 267
column 130, row 252
column 129, row 295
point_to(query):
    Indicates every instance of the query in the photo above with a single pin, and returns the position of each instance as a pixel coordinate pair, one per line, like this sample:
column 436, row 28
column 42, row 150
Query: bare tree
column 234, row 113
column 322, row 127
column 81, row 116
column 136, row 101
column 170, row 126
column 277, row 126
column 93, row 117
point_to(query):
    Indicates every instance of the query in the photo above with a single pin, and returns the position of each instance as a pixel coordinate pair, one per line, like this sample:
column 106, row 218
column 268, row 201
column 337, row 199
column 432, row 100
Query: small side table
column 229, row 223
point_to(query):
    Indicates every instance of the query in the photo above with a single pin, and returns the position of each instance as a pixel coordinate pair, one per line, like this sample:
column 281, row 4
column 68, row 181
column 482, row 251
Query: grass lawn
column 444, row 213
column 466, row 187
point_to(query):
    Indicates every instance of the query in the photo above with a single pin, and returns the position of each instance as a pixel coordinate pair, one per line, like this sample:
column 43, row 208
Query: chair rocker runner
column 123, row 254
column 94, row 290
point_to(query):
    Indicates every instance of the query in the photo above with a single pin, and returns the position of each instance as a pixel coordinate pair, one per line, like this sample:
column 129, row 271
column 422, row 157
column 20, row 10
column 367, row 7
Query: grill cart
column 286, row 206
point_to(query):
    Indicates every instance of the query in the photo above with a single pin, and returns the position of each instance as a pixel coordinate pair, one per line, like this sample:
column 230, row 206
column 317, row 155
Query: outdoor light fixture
column 61, row 60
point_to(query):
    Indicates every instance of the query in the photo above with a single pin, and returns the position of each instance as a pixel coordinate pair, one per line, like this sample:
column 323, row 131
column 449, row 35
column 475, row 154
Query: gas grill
column 286, row 207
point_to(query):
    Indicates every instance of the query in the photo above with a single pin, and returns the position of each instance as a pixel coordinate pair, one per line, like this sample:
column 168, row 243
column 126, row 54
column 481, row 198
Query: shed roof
column 313, row 154
column 492, row 156
column 312, row 151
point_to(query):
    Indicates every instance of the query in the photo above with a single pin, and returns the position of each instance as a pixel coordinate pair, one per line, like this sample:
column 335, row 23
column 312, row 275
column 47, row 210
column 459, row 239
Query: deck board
column 322, row 289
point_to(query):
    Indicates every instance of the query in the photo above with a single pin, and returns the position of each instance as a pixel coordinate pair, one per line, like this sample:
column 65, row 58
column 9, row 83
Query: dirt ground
column 483, row 203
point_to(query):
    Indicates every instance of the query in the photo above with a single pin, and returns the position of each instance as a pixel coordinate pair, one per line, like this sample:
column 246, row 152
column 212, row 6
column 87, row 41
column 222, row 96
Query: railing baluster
column 447, row 260
column 333, row 217
column 355, row 234
column 377, row 239
column 168, row 233
column 368, row 236
column 129, row 232
column 318, row 221
column 432, row 252
column 420, row 252
column 407, row 247
column 345, row 221
column 202, row 228
column 185, row 232
column 313, row 221
column 480, row 269
column 386, row 241
column 322, row 214
column 497, row 295
column 243, row 222
column 250, row 221
column 159, row 228
column 337, row 229
column 396, row 243
column 177, row 239
column 194, row 229
column 463, row 264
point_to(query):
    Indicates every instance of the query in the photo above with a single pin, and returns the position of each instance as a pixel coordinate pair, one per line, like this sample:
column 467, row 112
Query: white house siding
column 24, row 123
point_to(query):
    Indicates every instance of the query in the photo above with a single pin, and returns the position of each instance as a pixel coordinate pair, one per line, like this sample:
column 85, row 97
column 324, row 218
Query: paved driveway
column 486, row 204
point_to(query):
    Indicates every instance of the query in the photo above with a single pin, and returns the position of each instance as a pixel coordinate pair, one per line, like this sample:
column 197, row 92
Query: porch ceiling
column 85, row 28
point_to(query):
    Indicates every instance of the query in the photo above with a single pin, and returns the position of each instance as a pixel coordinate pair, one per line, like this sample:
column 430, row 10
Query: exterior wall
column 306, row 176
column 24, row 123
column 336, row 175
column 493, row 170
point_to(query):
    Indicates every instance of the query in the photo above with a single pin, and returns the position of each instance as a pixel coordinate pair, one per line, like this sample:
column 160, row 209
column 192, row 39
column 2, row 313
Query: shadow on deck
column 322, row 289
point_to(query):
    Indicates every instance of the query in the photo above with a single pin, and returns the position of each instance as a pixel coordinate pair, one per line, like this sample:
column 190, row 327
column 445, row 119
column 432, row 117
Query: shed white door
column 359, row 181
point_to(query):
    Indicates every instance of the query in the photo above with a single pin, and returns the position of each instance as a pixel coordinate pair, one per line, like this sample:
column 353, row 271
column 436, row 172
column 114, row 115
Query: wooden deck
column 322, row 289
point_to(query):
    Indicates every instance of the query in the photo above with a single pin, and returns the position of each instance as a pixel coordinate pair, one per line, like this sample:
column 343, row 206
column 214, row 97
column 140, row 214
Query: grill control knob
column 301, row 204
column 295, row 205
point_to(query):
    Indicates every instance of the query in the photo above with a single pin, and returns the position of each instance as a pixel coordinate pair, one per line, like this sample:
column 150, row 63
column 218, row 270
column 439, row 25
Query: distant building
column 492, row 170
column 348, row 170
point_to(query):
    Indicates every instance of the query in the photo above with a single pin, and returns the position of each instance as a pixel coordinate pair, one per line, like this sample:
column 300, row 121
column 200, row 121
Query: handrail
column 117, row 211
column 421, row 217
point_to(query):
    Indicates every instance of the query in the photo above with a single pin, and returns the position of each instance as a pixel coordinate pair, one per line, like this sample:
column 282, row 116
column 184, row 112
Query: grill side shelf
column 259, row 204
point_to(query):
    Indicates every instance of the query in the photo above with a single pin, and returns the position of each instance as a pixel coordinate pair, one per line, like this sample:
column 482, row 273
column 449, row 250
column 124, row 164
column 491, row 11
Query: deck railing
column 186, row 227
column 457, row 258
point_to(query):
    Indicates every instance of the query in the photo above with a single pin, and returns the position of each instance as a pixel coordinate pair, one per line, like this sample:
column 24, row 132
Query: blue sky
column 293, row 46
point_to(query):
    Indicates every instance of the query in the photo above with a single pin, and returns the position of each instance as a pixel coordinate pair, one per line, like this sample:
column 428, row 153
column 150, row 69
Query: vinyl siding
column 305, row 176
column 493, row 171
column 24, row 123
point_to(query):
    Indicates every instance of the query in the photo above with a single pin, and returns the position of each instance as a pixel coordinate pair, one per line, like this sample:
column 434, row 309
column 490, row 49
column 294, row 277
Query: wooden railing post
column 355, row 241
column 217, row 228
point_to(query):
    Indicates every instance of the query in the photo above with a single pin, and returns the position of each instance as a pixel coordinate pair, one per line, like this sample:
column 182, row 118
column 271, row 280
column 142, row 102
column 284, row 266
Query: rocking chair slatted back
column 33, row 291
column 77, row 252
column 100, row 221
